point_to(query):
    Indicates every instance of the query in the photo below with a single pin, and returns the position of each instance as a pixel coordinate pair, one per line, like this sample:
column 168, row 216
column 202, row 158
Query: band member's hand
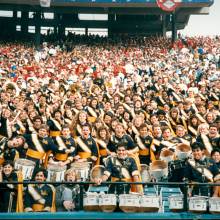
column 68, row 205
column 113, row 154
column 68, row 151
column 98, row 181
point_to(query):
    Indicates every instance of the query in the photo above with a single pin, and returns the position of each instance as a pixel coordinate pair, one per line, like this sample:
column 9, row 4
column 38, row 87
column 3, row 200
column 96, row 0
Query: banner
column 168, row 5
column 45, row 3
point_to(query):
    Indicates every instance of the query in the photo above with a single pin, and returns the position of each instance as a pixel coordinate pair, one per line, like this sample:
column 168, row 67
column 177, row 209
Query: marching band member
column 55, row 124
column 145, row 145
column 34, row 125
column 193, row 124
column 182, row 136
column 39, row 145
column 121, row 168
column 157, row 136
column 13, row 148
column 86, row 147
column 102, row 140
column 6, row 123
column 80, row 119
column 93, row 110
column 200, row 169
column 210, row 138
column 121, row 137
column 11, row 195
column 168, row 141
column 39, row 197
column 66, row 144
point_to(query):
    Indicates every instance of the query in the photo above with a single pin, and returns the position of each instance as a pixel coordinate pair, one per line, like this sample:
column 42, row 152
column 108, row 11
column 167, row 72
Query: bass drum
column 129, row 202
column 107, row 202
column 198, row 204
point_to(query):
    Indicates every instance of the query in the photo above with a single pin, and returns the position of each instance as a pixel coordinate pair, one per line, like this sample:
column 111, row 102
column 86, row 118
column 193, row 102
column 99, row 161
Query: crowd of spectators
column 108, row 92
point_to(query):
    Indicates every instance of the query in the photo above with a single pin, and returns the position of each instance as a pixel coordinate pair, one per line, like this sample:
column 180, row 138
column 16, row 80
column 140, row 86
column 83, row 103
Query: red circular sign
column 168, row 5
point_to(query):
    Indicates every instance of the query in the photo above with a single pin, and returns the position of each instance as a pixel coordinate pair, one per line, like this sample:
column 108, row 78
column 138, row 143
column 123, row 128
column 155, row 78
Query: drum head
column 159, row 169
column 97, row 172
column 25, row 162
column 145, row 174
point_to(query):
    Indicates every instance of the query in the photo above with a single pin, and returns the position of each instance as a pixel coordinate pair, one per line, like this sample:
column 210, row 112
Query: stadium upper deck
column 126, row 3
column 124, row 16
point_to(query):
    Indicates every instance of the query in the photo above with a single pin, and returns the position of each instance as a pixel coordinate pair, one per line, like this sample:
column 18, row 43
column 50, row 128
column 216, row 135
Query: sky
column 204, row 24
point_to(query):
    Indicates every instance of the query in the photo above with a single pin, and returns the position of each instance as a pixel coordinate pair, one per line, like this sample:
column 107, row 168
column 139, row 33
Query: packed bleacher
column 120, row 109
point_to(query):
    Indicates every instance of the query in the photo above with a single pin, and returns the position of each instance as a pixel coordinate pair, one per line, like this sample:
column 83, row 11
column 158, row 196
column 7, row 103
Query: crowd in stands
column 91, row 99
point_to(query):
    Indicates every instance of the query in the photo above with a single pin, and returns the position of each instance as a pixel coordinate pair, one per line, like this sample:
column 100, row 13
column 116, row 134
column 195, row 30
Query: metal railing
column 185, row 186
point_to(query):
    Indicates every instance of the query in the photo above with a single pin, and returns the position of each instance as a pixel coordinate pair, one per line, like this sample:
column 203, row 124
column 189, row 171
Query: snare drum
column 56, row 173
column 91, row 202
column 129, row 202
column 198, row 204
column 214, row 205
column 107, row 202
column 26, row 167
column 82, row 170
column 176, row 203
column 150, row 203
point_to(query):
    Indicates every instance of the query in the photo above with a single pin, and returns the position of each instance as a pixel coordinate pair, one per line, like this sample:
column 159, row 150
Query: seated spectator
column 67, row 194
column 11, row 195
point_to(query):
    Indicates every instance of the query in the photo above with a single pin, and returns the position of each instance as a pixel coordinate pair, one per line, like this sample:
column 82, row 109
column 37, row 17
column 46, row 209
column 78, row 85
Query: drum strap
column 79, row 129
column 22, row 128
column 207, row 143
column 141, row 144
column 92, row 112
column 35, row 194
column 37, row 143
column 31, row 126
column 167, row 143
column 135, row 130
column 75, row 110
column 204, row 171
column 103, row 145
column 83, row 145
column 200, row 118
column 60, row 143
column 193, row 130
column 124, row 171
column 56, row 123
column 157, row 142
column 125, row 124
column 184, row 141
column 129, row 109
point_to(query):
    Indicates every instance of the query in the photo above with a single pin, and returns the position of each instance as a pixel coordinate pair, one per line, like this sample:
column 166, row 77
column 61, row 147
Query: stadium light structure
column 45, row 3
